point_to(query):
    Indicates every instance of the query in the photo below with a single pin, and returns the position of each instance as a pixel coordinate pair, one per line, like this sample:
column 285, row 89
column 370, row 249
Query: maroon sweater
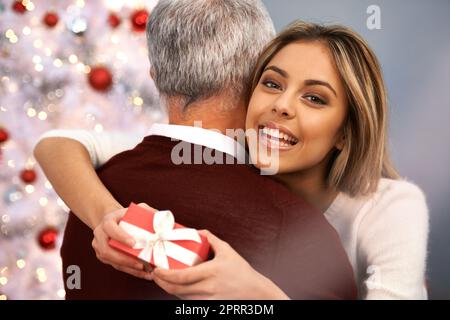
column 280, row 235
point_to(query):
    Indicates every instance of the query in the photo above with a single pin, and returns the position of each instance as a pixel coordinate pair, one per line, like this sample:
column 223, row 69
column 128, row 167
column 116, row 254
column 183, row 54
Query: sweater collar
column 196, row 135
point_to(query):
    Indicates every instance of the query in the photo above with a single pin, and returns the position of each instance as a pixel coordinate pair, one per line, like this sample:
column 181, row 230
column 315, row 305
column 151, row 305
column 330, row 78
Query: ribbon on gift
column 159, row 244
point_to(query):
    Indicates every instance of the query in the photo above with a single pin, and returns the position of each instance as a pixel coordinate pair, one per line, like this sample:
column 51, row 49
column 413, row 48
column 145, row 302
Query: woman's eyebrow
column 313, row 82
column 277, row 70
column 308, row 82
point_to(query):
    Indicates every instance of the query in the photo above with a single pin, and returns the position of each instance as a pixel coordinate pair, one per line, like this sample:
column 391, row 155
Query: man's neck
column 213, row 113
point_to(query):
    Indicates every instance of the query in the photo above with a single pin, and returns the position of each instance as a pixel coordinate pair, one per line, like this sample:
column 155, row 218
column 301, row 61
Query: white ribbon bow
column 159, row 243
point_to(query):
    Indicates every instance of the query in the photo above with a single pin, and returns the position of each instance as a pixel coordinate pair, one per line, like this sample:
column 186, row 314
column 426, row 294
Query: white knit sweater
column 385, row 234
column 385, row 237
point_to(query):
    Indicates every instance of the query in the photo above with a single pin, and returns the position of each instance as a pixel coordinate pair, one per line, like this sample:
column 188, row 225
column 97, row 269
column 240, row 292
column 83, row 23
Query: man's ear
column 152, row 73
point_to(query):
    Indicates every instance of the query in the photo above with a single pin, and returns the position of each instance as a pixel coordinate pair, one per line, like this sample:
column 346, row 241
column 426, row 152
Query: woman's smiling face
column 298, row 107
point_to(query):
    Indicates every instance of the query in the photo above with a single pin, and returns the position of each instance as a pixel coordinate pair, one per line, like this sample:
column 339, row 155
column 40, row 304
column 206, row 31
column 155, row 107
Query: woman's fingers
column 112, row 229
column 217, row 245
column 188, row 275
column 115, row 257
column 109, row 255
column 117, row 214
column 199, row 288
column 146, row 206
column 199, row 272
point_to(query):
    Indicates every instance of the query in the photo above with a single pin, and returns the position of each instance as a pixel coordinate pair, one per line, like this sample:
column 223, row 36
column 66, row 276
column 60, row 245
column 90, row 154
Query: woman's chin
column 269, row 166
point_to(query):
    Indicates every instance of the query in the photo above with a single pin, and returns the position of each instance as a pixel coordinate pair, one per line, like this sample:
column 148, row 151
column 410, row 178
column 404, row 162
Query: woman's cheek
column 313, row 150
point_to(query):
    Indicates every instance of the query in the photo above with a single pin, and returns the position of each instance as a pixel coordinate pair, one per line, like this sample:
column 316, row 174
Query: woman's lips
column 276, row 137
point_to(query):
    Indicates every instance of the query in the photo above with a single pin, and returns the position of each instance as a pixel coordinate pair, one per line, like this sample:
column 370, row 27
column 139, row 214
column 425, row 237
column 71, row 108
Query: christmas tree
column 63, row 64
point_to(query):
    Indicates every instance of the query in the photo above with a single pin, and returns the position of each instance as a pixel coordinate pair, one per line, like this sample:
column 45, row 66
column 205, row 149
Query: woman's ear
column 340, row 143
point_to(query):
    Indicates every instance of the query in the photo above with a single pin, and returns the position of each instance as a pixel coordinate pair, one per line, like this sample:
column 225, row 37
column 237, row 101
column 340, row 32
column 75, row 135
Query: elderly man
column 201, row 54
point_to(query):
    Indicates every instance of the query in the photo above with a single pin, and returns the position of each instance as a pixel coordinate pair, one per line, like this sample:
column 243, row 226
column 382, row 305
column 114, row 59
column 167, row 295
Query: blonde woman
column 318, row 100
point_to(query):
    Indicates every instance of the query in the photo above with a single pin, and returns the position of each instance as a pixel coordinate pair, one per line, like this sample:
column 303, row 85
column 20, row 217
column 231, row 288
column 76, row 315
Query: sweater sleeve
column 392, row 244
column 100, row 146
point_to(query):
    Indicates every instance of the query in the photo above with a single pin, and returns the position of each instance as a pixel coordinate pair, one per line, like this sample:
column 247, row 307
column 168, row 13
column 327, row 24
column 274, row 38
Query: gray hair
column 199, row 48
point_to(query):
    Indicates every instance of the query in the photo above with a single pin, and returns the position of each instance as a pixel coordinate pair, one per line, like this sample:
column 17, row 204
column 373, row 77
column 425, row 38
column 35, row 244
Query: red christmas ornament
column 4, row 136
column 100, row 78
column 114, row 20
column 51, row 19
column 139, row 20
column 28, row 175
column 18, row 7
column 47, row 238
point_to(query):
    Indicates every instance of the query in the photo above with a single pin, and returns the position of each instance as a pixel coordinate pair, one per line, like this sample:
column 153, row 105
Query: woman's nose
column 283, row 107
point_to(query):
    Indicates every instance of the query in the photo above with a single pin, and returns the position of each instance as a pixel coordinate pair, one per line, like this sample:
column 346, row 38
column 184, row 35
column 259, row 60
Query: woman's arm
column 68, row 157
column 392, row 244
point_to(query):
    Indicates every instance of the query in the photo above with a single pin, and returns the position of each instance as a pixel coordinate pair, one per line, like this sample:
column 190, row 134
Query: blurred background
column 83, row 64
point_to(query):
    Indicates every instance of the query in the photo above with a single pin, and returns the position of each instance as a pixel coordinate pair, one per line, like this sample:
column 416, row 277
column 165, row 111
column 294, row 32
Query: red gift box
column 160, row 241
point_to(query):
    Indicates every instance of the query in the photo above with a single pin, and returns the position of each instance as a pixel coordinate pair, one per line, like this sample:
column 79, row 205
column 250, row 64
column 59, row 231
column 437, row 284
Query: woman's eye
column 315, row 99
column 270, row 84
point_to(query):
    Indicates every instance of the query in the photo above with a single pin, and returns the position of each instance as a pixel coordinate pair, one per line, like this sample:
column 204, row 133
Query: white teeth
column 280, row 135
column 277, row 134
column 273, row 133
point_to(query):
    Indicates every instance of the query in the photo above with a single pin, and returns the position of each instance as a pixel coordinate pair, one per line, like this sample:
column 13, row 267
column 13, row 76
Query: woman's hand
column 226, row 276
column 108, row 229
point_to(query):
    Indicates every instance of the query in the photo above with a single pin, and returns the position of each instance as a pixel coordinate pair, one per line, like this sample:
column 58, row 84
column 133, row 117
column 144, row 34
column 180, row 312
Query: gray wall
column 413, row 46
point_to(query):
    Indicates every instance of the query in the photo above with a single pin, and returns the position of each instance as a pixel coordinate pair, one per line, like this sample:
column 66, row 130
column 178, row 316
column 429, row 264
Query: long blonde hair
column 364, row 159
